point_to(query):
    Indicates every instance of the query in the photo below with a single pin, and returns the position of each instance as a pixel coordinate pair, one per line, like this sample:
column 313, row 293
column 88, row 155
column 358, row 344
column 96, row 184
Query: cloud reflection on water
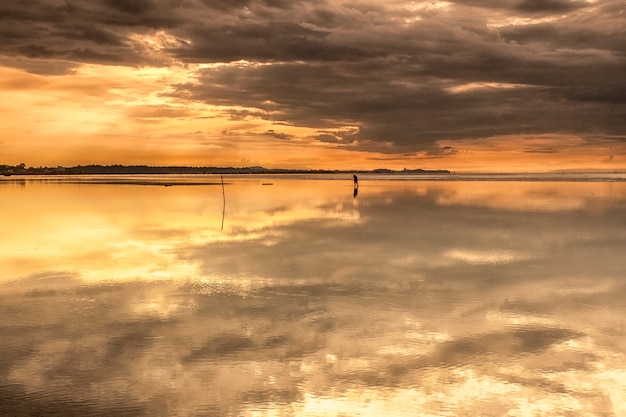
column 414, row 296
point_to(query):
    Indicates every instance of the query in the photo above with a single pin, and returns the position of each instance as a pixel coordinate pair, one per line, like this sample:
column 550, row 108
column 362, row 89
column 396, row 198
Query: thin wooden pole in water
column 224, row 202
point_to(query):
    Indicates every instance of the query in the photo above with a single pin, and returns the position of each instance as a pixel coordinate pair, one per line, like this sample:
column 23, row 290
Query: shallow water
column 295, row 298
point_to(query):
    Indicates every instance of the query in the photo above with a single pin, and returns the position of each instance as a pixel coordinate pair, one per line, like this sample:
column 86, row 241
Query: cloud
column 271, row 41
column 540, row 150
column 408, row 114
column 395, row 71
column 277, row 135
column 549, row 6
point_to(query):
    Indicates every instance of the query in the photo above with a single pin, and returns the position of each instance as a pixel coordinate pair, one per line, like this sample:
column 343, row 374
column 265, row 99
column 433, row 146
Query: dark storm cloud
column 98, row 36
column 405, row 105
column 550, row 6
column 396, row 72
column 530, row 6
column 80, row 31
column 274, row 41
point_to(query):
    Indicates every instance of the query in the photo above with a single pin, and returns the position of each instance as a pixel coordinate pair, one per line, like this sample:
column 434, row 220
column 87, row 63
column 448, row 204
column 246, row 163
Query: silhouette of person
column 356, row 181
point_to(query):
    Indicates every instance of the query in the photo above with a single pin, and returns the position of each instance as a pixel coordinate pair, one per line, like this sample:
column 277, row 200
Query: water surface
column 288, row 296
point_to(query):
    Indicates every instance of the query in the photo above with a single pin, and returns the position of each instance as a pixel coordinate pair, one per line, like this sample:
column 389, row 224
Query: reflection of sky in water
column 415, row 298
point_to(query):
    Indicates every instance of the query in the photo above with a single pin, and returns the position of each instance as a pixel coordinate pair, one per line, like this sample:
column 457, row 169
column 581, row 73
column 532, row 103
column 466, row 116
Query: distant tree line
column 21, row 169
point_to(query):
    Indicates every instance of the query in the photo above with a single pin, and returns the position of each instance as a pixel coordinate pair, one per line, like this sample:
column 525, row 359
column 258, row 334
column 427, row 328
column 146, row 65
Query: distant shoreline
column 8, row 170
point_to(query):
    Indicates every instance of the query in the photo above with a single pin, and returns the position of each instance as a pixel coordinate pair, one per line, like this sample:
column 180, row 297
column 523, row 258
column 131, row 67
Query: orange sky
column 433, row 85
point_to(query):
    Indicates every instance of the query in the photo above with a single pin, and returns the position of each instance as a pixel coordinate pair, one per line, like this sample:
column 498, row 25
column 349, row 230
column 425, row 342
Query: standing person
column 356, row 181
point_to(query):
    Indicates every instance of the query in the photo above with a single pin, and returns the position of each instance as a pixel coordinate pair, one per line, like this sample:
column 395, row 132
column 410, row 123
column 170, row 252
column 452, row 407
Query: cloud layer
column 391, row 77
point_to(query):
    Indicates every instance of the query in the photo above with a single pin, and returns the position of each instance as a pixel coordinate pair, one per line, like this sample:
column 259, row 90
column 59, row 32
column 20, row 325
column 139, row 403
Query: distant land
column 22, row 169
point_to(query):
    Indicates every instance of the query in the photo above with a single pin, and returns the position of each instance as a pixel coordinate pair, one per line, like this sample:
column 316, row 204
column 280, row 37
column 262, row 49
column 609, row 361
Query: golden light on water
column 80, row 222
column 413, row 297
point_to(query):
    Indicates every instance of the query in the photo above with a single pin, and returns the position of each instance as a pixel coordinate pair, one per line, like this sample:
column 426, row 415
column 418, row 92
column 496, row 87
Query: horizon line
column 112, row 169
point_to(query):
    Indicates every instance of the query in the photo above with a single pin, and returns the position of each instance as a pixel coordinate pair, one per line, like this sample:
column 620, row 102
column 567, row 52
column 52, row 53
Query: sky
column 467, row 85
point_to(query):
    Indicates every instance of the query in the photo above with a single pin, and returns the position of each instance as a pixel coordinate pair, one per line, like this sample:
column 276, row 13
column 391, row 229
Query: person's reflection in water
column 356, row 185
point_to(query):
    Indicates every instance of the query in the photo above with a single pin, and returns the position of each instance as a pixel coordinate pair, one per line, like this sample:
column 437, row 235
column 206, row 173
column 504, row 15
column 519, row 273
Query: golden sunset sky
column 468, row 85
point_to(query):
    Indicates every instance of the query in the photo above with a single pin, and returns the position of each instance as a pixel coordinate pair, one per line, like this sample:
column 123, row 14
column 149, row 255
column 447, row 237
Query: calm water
column 415, row 298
